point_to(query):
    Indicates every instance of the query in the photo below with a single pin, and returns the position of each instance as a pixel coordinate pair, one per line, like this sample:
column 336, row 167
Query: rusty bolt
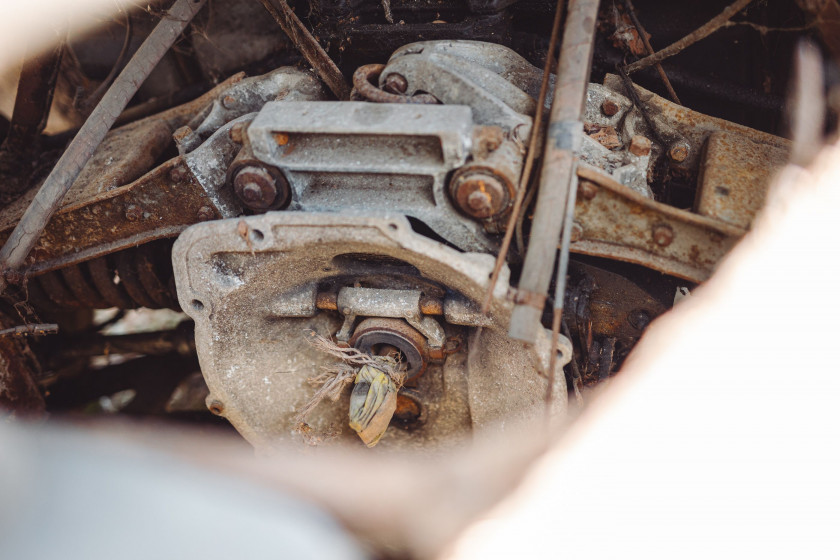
column 133, row 212
column 14, row 277
column 181, row 133
column 663, row 235
column 639, row 146
column 609, row 107
column 229, row 102
column 487, row 139
column 577, row 232
column 258, row 188
column 206, row 213
column 216, row 407
column 395, row 83
column 587, row 190
column 679, row 152
column 479, row 194
column 177, row 174
column 639, row 319
column 237, row 132
column 480, row 203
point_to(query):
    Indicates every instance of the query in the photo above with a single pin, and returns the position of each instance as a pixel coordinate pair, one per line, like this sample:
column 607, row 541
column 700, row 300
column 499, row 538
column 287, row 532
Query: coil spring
column 138, row 277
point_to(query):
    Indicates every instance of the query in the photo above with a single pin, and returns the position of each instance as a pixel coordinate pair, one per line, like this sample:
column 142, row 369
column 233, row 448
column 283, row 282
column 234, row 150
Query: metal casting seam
column 25, row 235
column 698, row 34
column 529, row 159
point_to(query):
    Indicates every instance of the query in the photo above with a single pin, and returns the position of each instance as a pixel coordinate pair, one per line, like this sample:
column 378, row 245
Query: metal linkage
column 556, row 192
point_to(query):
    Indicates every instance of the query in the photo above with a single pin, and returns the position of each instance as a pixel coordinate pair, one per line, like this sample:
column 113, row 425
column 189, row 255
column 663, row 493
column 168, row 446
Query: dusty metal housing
column 236, row 278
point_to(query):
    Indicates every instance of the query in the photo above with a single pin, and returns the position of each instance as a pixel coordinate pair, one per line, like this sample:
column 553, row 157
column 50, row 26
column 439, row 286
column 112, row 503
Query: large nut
column 258, row 188
column 679, row 152
column 479, row 193
column 639, row 145
column 609, row 107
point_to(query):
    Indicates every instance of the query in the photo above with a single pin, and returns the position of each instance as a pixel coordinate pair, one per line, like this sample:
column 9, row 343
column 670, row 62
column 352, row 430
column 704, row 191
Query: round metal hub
column 372, row 333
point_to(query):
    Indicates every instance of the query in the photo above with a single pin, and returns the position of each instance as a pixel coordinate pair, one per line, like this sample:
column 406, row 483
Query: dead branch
column 631, row 11
column 697, row 35
column 308, row 46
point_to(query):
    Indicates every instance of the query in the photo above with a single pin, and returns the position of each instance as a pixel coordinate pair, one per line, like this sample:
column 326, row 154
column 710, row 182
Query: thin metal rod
column 308, row 46
column 643, row 34
column 81, row 149
column 563, row 138
column 525, row 178
column 698, row 34
column 560, row 283
column 22, row 330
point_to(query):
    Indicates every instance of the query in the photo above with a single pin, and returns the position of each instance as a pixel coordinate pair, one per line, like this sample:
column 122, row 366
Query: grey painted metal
column 354, row 156
column 257, row 364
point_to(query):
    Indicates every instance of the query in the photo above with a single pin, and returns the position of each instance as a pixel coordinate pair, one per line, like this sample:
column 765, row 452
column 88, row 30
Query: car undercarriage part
column 267, row 210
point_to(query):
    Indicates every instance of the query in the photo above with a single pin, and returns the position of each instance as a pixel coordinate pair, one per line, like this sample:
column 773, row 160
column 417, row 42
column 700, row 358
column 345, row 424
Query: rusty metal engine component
column 252, row 286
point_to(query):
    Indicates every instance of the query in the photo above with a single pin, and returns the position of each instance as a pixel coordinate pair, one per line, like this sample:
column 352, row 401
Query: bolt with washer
column 663, row 235
column 679, row 152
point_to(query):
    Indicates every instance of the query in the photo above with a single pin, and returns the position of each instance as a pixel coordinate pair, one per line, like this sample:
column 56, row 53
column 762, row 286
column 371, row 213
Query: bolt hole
column 394, row 227
column 197, row 305
column 257, row 235
column 216, row 408
column 722, row 191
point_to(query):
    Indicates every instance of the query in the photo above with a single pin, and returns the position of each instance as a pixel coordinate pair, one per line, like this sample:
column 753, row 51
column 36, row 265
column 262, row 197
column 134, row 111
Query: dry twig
column 698, row 34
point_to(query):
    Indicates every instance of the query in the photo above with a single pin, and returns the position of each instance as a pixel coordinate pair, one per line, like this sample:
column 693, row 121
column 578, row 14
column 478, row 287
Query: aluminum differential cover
column 250, row 284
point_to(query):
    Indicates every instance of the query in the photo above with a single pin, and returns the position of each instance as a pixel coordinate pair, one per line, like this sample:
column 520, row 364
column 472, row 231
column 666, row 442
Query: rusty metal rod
column 308, row 46
column 525, row 178
column 631, row 10
column 564, row 137
column 22, row 330
column 81, row 149
column 698, row 34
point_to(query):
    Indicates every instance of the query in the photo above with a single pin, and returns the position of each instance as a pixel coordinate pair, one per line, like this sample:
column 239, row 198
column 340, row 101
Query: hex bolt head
column 252, row 193
column 679, row 152
column 609, row 107
column 237, row 132
column 479, row 194
column 258, row 188
column 229, row 102
column 205, row 213
column 13, row 277
column 577, row 232
column 480, row 202
column 395, row 83
column 640, row 146
column 133, row 212
column 639, row 319
column 663, row 235
column 177, row 174
column 587, row 190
